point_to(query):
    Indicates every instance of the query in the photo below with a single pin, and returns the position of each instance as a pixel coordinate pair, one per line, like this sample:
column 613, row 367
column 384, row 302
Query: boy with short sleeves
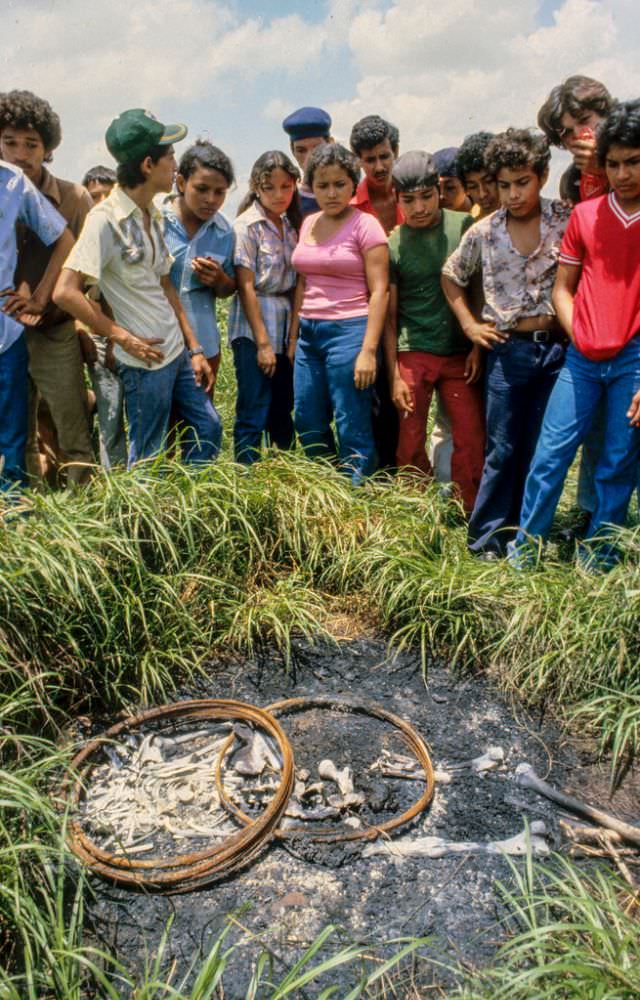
column 597, row 296
column 425, row 347
column 21, row 202
column 516, row 249
column 122, row 249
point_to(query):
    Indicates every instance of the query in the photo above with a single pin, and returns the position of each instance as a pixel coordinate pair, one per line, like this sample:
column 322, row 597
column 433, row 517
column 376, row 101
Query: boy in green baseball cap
column 122, row 250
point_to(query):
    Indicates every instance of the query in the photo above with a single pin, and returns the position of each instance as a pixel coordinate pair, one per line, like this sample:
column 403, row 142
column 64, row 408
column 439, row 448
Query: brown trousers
column 57, row 375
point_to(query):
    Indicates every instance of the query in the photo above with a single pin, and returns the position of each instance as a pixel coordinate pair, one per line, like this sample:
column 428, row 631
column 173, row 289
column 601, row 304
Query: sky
column 232, row 69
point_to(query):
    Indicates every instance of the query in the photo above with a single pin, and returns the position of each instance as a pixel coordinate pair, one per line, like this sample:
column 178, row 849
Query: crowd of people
column 364, row 285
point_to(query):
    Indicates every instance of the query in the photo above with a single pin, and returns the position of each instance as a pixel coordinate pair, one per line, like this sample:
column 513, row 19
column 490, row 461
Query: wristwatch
column 195, row 350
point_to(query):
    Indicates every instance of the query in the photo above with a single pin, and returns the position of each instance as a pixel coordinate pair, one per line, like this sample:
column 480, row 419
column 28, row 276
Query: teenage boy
column 452, row 193
column 99, row 182
column 29, row 133
column 376, row 142
column 516, row 249
column 307, row 128
column 20, row 201
column 425, row 348
column 480, row 187
column 98, row 352
column 570, row 117
column 122, row 250
column 597, row 297
column 482, row 190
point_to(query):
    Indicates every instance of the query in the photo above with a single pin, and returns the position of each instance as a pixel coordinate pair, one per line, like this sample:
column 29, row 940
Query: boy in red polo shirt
column 597, row 298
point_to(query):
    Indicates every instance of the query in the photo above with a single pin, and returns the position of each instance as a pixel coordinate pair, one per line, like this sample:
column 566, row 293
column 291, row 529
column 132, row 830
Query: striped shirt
column 260, row 248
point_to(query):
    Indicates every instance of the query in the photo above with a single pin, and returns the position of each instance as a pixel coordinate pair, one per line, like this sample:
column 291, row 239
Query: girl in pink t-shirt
column 341, row 299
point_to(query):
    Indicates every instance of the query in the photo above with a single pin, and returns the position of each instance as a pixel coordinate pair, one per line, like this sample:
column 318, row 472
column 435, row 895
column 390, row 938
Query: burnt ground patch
column 295, row 888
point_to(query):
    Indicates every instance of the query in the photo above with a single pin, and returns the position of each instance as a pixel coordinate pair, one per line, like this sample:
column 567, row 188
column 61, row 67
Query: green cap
column 133, row 133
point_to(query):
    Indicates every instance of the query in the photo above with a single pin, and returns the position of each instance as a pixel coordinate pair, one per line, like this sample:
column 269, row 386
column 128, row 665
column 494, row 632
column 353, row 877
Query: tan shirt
column 115, row 253
column 74, row 203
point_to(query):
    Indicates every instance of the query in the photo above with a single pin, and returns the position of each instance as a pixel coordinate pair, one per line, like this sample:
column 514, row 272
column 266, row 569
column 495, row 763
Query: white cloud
column 439, row 70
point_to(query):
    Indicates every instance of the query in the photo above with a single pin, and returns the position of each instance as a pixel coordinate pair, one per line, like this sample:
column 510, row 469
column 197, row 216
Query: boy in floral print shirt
column 517, row 249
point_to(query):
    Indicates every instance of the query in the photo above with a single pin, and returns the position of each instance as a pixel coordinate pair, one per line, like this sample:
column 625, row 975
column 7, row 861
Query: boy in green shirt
column 424, row 345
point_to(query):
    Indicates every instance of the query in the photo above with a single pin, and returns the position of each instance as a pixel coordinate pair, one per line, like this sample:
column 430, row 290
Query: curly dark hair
column 620, row 128
column 328, row 155
column 204, row 154
column 516, row 148
column 576, row 96
column 470, row 158
column 22, row 109
column 371, row 131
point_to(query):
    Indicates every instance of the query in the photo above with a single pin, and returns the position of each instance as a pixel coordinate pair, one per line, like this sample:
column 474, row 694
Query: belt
column 539, row 336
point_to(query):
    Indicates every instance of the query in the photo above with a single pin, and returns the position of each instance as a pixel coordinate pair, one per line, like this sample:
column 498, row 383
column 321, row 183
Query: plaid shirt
column 260, row 248
column 514, row 286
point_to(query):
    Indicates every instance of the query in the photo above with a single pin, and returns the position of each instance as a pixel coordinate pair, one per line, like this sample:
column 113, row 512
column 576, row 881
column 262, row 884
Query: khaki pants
column 57, row 374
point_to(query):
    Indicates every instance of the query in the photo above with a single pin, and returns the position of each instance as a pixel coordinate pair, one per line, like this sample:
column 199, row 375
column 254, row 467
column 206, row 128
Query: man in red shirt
column 597, row 299
column 375, row 142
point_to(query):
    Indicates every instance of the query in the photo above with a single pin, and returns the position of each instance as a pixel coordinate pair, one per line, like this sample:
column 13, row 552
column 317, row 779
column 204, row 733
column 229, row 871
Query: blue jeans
column 591, row 448
column 263, row 404
column 14, row 414
column 149, row 395
column 581, row 385
column 520, row 377
column 322, row 384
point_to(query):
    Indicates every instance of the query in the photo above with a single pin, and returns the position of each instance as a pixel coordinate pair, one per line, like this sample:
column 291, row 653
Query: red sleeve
column 572, row 250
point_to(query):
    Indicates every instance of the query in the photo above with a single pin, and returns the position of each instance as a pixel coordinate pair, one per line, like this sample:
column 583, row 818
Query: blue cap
column 307, row 123
column 447, row 161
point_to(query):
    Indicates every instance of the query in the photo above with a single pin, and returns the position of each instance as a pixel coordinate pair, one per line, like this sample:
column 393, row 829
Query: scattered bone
column 256, row 754
column 493, row 757
column 348, row 801
column 354, row 822
column 315, row 789
column 343, row 779
column 146, row 789
column 438, row 847
column 296, row 811
column 527, row 778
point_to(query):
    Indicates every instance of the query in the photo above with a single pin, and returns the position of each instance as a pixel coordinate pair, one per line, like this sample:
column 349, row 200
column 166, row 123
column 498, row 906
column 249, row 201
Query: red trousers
column 424, row 372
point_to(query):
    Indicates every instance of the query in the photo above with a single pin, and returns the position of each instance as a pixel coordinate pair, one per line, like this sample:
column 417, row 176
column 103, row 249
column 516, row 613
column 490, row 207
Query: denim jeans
column 519, row 380
column 14, row 414
column 581, row 385
column 263, row 404
column 591, row 448
column 323, row 383
column 149, row 395
column 110, row 409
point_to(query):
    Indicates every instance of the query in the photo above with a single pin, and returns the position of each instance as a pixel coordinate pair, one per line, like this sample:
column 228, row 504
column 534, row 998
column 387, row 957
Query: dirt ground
column 295, row 888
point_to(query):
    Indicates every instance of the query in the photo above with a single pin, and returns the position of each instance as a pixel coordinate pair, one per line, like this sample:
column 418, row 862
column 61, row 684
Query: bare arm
column 564, row 291
column 200, row 365
column 376, row 266
column 69, row 295
column 482, row 334
column 400, row 391
column 266, row 358
column 294, row 326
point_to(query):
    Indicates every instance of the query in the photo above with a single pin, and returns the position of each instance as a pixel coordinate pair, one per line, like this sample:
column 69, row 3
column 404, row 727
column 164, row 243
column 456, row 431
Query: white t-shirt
column 114, row 252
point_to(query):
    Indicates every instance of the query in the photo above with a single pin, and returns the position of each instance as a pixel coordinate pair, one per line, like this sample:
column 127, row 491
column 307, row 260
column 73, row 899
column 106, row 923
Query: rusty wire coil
column 184, row 872
column 324, row 834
